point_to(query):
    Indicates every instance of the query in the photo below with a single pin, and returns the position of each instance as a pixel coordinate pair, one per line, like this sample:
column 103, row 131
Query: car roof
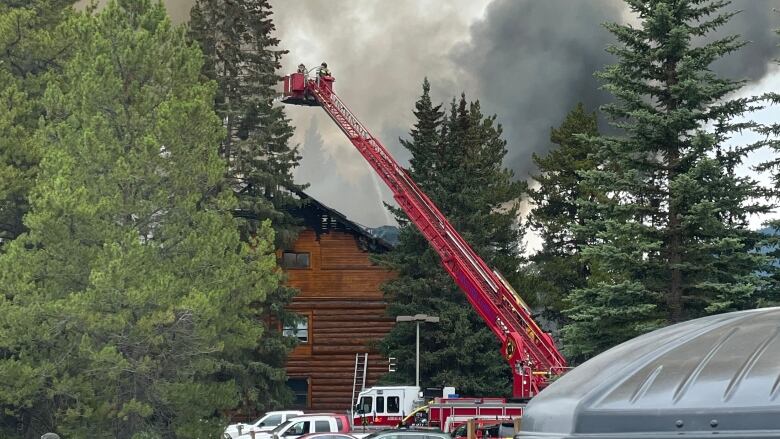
column 712, row 375
column 318, row 415
column 329, row 433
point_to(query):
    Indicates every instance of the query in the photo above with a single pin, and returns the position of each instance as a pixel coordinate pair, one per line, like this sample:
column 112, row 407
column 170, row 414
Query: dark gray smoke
column 528, row 61
column 756, row 23
column 531, row 61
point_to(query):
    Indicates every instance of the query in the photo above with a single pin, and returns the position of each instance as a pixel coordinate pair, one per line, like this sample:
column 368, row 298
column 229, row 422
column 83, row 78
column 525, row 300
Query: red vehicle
column 532, row 355
column 449, row 414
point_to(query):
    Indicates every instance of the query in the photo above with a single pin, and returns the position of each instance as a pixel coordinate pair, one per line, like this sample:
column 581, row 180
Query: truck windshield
column 270, row 420
column 281, row 426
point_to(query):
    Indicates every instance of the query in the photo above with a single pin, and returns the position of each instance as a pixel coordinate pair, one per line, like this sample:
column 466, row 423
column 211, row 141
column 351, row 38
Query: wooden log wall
column 340, row 295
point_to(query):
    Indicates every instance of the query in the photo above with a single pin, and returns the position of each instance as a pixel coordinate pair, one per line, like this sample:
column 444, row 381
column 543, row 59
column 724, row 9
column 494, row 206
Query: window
column 299, row 330
column 339, row 424
column 271, row 420
column 298, row 429
column 294, row 260
column 321, row 426
column 365, row 404
column 300, row 388
column 393, row 404
column 380, row 404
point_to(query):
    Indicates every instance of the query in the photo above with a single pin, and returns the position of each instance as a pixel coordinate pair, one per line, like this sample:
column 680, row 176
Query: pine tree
column 33, row 43
column 130, row 307
column 457, row 161
column 559, row 267
column 673, row 237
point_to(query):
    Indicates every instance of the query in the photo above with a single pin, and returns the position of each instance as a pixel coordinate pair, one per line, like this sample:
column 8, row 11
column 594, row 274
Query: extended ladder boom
column 531, row 353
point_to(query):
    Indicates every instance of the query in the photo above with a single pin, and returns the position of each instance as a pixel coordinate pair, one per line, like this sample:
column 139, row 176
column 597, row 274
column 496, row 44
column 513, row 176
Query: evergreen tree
column 457, row 161
column 559, row 267
column 130, row 306
column 33, row 42
column 672, row 234
column 242, row 57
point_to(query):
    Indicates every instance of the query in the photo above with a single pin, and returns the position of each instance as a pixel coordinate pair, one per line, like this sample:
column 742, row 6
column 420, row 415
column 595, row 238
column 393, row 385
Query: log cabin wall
column 340, row 297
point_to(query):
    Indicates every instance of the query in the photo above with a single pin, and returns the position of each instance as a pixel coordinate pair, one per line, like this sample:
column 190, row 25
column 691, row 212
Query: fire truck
column 531, row 353
column 391, row 406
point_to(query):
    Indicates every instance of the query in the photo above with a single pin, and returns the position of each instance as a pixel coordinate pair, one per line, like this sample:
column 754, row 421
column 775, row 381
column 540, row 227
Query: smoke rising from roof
column 529, row 61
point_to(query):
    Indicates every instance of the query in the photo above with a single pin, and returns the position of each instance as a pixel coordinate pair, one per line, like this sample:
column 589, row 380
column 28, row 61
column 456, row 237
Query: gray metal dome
column 715, row 377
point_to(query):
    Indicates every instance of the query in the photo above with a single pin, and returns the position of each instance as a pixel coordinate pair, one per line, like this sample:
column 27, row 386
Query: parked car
column 327, row 436
column 487, row 428
column 305, row 424
column 408, row 433
column 267, row 422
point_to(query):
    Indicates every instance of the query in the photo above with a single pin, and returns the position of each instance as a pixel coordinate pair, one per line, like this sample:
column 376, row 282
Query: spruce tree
column 242, row 57
column 33, row 43
column 130, row 307
column 672, row 232
column 457, row 161
column 558, row 267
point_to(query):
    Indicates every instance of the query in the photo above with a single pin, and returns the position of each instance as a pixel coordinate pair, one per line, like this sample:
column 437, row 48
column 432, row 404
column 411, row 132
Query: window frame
column 296, row 394
column 362, row 405
column 320, row 422
column 397, row 404
column 296, row 264
column 306, row 425
column 290, row 331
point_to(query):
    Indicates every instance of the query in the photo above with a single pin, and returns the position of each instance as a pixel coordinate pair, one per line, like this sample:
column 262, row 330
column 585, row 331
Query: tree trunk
column 674, row 241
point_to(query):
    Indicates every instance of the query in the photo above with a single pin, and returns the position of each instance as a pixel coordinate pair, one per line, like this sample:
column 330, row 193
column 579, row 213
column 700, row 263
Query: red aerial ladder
column 531, row 353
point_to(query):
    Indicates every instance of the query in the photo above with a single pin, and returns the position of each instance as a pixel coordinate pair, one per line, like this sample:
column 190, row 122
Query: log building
column 342, row 304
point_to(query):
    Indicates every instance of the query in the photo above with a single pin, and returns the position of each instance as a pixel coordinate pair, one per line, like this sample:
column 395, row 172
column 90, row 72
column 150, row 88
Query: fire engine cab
column 385, row 405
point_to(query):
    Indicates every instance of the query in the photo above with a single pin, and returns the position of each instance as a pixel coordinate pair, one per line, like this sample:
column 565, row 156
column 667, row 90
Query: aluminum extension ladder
column 359, row 379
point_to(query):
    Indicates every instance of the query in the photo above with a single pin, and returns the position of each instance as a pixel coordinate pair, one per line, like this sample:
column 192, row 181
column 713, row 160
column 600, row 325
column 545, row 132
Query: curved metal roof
column 717, row 376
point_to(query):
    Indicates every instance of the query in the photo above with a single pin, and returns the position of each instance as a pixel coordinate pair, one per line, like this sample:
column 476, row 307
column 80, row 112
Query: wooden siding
column 340, row 294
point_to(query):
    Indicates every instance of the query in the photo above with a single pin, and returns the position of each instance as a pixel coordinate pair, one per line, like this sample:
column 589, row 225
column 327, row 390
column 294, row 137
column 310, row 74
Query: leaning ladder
column 359, row 379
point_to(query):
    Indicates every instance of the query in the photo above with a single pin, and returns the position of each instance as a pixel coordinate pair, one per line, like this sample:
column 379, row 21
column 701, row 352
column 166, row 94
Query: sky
column 528, row 61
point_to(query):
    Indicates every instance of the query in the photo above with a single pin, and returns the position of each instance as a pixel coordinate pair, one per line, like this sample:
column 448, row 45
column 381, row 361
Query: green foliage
column 241, row 56
column 457, row 161
column 33, row 43
column 558, row 267
column 130, row 307
column 671, row 235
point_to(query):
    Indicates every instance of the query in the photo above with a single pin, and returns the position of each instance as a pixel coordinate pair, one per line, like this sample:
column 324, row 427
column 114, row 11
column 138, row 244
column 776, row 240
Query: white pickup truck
column 267, row 422
column 306, row 424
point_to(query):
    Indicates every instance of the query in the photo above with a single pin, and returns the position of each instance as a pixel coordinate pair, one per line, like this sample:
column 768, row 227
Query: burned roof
column 717, row 376
column 323, row 219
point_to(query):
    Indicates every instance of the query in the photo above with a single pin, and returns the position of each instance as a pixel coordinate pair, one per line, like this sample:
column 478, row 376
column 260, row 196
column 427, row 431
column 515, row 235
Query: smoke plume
column 528, row 61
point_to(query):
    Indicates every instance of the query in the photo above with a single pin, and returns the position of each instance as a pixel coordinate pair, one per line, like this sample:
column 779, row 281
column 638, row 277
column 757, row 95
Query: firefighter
column 324, row 70
column 301, row 68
